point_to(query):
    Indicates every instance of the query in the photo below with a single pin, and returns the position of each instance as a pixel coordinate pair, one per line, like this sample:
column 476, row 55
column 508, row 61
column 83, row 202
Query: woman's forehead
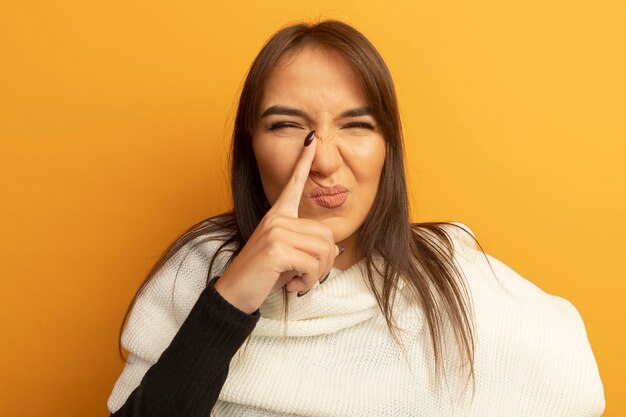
column 313, row 76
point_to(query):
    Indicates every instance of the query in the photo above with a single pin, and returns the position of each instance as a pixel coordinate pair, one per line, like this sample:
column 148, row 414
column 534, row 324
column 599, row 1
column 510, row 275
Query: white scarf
column 533, row 357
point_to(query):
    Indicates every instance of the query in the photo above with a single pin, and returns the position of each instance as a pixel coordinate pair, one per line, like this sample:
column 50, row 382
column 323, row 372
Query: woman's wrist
column 229, row 294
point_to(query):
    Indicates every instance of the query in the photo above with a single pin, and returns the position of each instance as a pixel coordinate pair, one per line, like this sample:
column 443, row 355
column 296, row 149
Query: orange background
column 115, row 118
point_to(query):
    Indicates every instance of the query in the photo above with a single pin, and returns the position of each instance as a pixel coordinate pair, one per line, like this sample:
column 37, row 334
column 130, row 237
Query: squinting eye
column 281, row 125
column 364, row 125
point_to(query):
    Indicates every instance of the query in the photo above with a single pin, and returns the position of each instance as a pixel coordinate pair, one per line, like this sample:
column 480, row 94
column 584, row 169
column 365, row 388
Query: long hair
column 420, row 253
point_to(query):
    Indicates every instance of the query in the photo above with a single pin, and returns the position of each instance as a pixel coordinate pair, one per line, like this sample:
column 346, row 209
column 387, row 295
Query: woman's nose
column 327, row 158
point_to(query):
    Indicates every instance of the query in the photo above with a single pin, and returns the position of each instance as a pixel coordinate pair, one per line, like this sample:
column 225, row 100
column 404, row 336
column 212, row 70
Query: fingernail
column 324, row 279
column 301, row 294
column 309, row 138
column 341, row 249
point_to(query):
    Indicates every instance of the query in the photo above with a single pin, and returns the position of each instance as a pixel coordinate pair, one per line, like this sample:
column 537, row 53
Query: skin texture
column 322, row 85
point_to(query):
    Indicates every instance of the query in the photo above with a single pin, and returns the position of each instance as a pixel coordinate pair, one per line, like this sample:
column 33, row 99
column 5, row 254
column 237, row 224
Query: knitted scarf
column 532, row 354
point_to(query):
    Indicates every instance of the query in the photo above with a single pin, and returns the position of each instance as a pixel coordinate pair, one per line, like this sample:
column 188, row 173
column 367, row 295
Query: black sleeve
column 190, row 373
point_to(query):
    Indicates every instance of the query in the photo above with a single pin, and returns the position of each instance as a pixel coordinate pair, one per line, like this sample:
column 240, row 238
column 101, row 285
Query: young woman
column 347, row 308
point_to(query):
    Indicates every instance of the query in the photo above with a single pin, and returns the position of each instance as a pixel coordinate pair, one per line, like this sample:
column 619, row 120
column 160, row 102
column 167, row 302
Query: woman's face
column 314, row 89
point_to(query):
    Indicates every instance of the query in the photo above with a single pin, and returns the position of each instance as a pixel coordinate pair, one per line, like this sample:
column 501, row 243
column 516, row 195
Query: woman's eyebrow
column 360, row 111
column 286, row 111
column 290, row 111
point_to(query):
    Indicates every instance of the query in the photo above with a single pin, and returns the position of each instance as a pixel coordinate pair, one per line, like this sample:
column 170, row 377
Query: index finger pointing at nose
column 289, row 199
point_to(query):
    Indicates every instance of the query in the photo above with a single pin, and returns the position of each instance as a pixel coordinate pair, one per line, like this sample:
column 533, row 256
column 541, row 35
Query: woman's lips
column 329, row 197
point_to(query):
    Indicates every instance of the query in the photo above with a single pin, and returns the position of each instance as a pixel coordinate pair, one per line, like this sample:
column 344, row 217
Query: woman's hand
column 281, row 247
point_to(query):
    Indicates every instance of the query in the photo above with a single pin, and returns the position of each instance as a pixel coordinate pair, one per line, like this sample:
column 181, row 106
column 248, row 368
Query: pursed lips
column 326, row 191
column 329, row 197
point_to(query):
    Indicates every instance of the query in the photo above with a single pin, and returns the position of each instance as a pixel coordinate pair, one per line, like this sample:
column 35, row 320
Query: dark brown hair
column 421, row 253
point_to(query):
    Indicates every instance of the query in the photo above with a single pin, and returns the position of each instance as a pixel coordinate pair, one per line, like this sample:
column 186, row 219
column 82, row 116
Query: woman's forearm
column 189, row 375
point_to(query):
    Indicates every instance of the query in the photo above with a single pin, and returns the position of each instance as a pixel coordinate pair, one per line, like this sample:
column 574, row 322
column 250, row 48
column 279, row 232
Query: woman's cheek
column 371, row 149
column 275, row 165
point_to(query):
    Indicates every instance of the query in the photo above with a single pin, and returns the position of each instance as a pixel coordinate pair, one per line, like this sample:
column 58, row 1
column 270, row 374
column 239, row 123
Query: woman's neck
column 348, row 257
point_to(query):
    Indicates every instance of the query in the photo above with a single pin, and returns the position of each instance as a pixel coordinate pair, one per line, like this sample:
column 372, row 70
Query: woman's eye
column 363, row 125
column 281, row 125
